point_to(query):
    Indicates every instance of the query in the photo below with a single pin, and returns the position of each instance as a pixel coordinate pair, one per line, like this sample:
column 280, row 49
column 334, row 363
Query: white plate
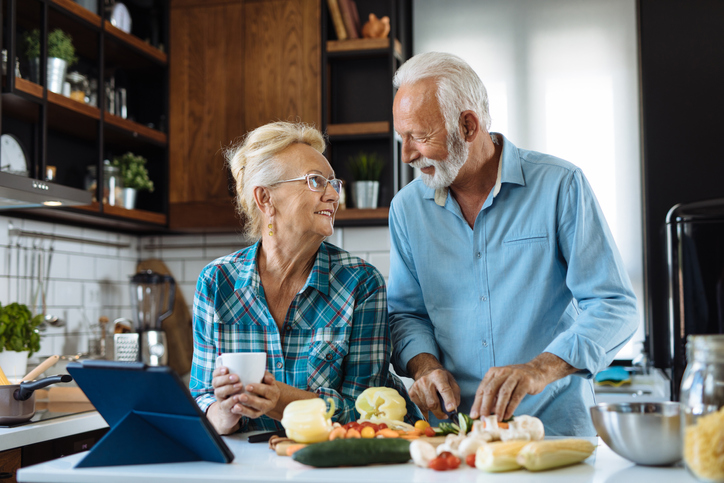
column 12, row 155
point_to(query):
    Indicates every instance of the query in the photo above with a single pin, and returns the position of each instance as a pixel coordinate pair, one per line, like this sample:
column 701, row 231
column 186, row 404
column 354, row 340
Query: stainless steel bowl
column 645, row 433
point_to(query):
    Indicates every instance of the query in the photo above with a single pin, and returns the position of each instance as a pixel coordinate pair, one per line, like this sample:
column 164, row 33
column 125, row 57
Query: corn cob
column 499, row 456
column 544, row 455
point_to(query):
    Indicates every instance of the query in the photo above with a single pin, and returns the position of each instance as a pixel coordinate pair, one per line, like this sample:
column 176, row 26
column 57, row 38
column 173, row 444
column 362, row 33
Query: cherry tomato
column 368, row 432
column 452, row 462
column 470, row 460
column 421, row 424
column 349, row 425
column 429, row 432
column 381, row 426
column 438, row 464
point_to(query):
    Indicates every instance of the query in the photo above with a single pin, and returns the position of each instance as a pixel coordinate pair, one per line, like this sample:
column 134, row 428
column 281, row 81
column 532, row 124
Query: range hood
column 18, row 192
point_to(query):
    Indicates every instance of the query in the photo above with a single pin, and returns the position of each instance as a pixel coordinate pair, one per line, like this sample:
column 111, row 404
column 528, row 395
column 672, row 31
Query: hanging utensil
column 42, row 367
column 53, row 320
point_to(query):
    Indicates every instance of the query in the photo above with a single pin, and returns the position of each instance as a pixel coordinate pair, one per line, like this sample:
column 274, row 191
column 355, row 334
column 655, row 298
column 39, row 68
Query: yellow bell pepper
column 381, row 403
column 308, row 421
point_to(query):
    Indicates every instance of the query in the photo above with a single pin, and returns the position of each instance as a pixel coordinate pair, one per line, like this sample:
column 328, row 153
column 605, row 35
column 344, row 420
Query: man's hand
column 503, row 388
column 431, row 378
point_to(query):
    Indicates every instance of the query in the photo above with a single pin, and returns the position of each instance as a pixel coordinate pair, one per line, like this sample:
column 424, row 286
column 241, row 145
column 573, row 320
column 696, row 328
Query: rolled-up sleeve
column 607, row 313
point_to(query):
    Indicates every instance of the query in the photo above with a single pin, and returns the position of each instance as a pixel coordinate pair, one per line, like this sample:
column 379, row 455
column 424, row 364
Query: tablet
column 151, row 413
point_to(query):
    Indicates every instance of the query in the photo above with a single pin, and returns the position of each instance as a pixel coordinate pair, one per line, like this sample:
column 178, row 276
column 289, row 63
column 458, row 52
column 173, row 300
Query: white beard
column 446, row 170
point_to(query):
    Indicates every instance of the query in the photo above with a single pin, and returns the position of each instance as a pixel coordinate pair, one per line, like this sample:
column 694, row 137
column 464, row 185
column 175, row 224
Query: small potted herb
column 366, row 169
column 61, row 55
column 19, row 338
column 134, row 175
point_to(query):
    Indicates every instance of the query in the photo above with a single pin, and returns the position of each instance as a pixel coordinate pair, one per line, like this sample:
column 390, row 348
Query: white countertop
column 39, row 431
column 257, row 463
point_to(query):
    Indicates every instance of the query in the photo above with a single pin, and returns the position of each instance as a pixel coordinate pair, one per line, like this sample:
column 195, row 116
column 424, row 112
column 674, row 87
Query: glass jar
column 702, row 404
column 112, row 185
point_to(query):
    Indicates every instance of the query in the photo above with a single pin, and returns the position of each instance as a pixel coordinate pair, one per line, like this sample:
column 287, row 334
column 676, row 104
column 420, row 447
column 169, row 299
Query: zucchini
column 354, row 452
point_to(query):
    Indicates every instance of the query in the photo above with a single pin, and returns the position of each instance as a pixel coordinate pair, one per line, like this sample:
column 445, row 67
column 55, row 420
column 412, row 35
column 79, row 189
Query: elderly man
column 506, row 290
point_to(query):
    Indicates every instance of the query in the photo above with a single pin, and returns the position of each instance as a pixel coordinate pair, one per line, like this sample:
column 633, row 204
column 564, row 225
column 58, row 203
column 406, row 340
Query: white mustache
column 421, row 163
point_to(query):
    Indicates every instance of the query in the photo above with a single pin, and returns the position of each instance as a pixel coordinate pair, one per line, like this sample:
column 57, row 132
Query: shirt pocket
column 325, row 363
column 529, row 239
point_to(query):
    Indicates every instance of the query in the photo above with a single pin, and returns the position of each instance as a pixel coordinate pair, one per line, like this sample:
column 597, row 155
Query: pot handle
column 27, row 388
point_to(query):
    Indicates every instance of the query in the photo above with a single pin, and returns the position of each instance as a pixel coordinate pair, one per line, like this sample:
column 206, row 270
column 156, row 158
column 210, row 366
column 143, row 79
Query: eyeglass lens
column 317, row 182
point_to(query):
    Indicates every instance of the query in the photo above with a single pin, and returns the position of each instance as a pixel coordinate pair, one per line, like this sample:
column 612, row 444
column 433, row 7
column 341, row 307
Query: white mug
column 249, row 366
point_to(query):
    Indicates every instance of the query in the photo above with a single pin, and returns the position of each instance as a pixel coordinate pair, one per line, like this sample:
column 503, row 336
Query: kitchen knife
column 452, row 415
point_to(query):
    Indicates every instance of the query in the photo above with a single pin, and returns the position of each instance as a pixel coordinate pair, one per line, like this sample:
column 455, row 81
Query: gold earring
column 271, row 233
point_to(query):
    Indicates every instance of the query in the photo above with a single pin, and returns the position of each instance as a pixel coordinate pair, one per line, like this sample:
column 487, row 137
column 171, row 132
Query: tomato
column 438, row 464
column 429, row 432
column 381, row 426
column 470, row 460
column 350, row 425
column 368, row 432
column 368, row 424
column 452, row 462
column 421, row 424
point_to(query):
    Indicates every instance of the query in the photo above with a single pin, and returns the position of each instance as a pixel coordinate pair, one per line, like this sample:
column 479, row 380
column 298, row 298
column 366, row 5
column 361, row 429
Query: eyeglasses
column 317, row 182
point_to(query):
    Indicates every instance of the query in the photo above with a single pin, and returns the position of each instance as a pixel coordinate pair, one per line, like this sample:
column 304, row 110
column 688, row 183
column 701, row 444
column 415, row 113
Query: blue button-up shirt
column 335, row 339
column 538, row 272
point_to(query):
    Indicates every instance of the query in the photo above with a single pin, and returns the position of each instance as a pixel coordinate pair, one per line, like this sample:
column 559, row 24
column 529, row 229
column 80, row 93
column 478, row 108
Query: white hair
column 458, row 86
column 253, row 163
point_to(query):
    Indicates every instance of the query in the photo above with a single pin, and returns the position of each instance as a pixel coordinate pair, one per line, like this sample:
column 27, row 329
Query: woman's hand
column 232, row 402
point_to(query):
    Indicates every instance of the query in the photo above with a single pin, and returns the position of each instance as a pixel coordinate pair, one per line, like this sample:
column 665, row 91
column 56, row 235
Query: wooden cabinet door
column 234, row 65
column 9, row 464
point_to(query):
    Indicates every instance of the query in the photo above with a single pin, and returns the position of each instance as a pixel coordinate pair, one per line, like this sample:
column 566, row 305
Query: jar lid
column 706, row 347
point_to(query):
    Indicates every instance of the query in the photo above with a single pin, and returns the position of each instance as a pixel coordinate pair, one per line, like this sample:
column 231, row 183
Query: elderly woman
column 318, row 312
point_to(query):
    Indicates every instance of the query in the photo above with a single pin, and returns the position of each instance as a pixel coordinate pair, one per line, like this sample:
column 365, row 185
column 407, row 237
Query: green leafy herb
column 366, row 166
column 133, row 171
column 60, row 45
column 19, row 329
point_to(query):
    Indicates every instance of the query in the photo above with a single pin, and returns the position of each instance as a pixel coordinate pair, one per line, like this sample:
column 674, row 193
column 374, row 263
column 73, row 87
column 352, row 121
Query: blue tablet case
column 151, row 413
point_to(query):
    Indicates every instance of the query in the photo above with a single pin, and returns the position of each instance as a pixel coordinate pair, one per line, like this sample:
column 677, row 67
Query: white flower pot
column 365, row 193
column 129, row 198
column 14, row 364
column 55, row 73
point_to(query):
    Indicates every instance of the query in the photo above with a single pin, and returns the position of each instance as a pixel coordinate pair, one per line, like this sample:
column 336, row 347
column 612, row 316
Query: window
column 562, row 78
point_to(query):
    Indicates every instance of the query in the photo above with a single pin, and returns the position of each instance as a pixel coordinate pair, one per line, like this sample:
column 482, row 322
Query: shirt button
column 288, row 327
column 280, row 365
column 328, row 357
column 485, row 343
column 483, row 298
column 480, row 255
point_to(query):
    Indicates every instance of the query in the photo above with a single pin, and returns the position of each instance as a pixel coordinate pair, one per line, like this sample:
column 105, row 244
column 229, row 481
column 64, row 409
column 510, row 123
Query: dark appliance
column 695, row 251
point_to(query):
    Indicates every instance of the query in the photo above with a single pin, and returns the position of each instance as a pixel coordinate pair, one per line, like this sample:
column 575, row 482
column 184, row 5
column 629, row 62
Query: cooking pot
column 17, row 401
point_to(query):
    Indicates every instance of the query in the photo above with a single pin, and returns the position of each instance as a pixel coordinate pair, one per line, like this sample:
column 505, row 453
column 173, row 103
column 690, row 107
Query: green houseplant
column 366, row 169
column 61, row 54
column 134, row 175
column 19, row 329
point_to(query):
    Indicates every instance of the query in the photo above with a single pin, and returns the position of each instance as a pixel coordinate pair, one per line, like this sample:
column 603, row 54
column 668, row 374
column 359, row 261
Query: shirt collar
column 509, row 171
column 249, row 270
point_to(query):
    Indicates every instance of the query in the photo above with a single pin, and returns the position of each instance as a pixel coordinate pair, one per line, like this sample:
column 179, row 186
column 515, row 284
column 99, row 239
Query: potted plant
column 61, row 55
column 366, row 169
column 134, row 175
column 19, row 338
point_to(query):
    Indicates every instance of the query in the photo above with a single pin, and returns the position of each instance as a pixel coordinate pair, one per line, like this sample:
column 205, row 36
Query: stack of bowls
column 645, row 433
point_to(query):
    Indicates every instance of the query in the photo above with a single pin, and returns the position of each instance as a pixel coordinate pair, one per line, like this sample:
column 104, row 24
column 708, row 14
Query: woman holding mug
column 319, row 313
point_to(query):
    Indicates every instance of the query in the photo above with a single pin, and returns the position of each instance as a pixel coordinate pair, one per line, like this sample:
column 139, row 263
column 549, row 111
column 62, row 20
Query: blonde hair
column 253, row 163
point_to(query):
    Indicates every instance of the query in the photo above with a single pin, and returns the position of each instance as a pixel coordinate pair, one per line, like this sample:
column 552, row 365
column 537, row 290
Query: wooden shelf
column 358, row 128
column 30, row 88
column 136, row 129
column 79, row 11
column 73, row 105
column 138, row 215
column 139, row 44
column 354, row 45
column 356, row 214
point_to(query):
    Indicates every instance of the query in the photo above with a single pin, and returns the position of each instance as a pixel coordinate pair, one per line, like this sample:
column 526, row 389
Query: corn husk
column 499, row 456
column 544, row 455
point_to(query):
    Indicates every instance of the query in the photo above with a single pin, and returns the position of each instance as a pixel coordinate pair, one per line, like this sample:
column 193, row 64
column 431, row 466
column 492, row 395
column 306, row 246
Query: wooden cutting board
column 281, row 448
column 179, row 333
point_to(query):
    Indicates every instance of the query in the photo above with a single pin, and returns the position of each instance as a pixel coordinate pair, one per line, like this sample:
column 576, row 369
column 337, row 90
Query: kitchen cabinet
column 71, row 135
column 235, row 65
column 357, row 98
column 9, row 464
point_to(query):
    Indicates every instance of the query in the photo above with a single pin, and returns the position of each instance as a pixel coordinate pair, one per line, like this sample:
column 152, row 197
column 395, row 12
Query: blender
column 152, row 297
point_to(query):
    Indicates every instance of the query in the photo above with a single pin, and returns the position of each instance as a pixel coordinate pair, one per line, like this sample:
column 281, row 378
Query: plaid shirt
column 336, row 333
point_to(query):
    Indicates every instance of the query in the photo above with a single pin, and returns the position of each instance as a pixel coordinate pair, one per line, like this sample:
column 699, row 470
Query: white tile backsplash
column 87, row 280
